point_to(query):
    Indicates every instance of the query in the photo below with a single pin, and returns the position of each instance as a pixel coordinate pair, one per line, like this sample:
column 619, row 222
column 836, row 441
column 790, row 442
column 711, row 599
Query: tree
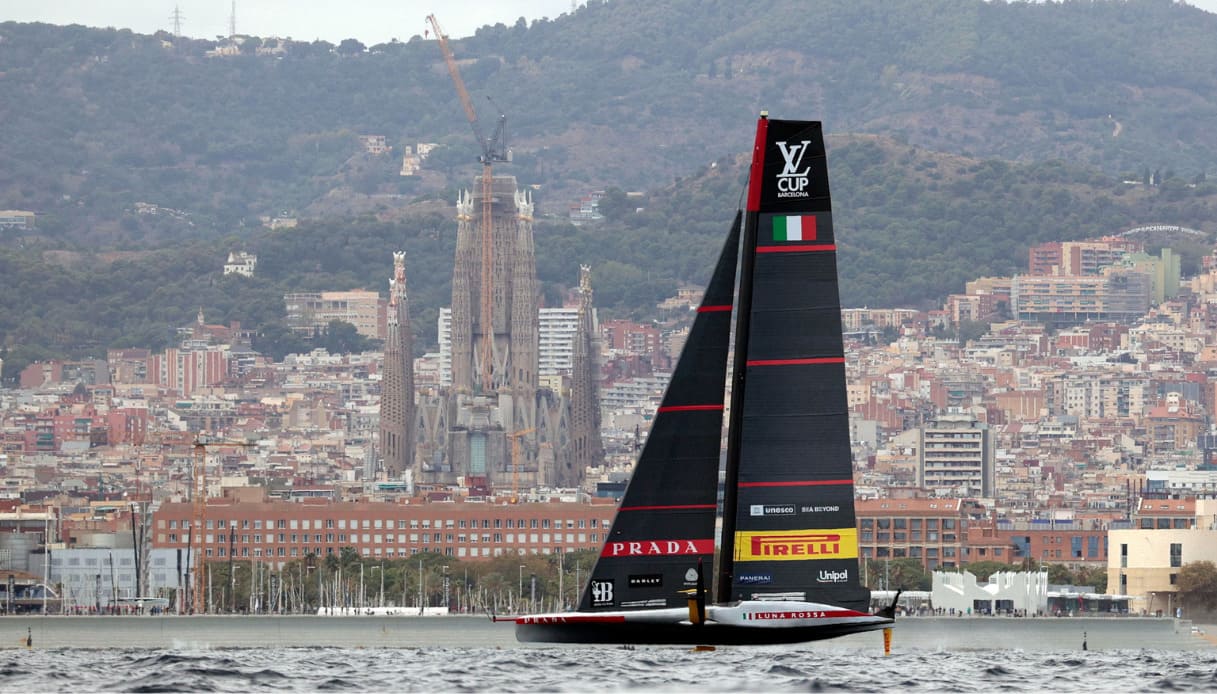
column 1197, row 583
column 1095, row 576
column 898, row 574
column 983, row 569
column 349, row 47
column 344, row 338
column 1059, row 575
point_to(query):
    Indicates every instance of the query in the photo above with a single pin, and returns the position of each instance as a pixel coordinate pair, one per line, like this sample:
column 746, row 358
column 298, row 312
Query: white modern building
column 1007, row 591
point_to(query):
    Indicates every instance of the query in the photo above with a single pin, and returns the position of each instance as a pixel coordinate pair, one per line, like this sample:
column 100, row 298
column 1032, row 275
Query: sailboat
column 785, row 569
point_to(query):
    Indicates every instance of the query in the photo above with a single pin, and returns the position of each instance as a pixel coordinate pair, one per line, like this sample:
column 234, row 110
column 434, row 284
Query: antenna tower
column 232, row 20
column 177, row 20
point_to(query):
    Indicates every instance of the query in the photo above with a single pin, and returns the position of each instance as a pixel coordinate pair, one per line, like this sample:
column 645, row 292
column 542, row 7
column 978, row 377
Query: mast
column 743, row 312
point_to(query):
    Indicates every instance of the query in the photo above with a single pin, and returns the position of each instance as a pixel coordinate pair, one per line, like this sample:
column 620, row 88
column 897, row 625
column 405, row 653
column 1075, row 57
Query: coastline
column 206, row 632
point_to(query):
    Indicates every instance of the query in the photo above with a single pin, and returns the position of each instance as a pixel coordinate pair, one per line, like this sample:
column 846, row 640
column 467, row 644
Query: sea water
column 455, row 654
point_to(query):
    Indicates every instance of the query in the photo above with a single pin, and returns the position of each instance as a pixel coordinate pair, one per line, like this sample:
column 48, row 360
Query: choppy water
column 930, row 655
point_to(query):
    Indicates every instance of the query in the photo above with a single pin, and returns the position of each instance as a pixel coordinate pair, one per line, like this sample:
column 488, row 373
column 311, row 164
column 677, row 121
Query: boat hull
column 745, row 624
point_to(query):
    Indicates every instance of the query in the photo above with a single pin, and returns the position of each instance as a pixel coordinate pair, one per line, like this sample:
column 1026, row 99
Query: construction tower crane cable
column 493, row 150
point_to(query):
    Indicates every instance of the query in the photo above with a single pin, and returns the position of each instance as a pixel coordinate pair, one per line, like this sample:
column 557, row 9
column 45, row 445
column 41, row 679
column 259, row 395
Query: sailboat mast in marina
column 786, row 567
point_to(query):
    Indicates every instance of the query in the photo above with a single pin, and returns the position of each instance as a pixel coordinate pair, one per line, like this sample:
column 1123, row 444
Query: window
column 1123, row 563
column 1176, row 555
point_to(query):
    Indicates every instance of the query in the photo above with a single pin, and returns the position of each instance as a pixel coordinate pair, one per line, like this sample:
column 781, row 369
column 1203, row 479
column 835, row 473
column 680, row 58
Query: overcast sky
column 370, row 21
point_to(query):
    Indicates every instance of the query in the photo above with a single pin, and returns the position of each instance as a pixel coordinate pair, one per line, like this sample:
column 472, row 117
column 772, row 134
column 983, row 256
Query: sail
column 789, row 529
column 666, row 520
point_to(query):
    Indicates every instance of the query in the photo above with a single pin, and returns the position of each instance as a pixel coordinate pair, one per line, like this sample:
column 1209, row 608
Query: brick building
column 285, row 530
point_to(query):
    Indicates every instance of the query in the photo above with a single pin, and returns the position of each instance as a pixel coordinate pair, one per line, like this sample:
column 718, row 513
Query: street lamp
column 361, row 585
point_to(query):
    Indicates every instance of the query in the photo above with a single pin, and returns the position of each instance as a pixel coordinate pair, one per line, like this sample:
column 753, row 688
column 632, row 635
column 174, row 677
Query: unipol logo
column 602, row 593
column 794, row 179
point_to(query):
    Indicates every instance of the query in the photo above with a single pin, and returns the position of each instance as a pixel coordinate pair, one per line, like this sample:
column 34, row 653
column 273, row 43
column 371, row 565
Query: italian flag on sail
column 794, row 228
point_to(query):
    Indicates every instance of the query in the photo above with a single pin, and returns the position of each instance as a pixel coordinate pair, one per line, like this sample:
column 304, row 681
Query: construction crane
column 515, row 461
column 199, row 499
column 493, row 149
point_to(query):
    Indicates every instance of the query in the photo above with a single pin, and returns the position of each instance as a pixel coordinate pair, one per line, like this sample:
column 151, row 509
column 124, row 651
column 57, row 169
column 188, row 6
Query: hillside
column 960, row 133
column 912, row 224
column 632, row 94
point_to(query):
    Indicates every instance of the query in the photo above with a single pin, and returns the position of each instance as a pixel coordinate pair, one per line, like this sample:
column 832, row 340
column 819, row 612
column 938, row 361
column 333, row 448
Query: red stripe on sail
column 689, row 408
column 756, row 176
column 796, row 362
column 796, row 249
column 701, row 507
column 710, row 309
column 798, row 483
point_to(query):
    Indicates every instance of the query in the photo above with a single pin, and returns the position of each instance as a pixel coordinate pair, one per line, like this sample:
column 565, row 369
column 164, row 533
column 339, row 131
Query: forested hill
column 912, row 225
column 961, row 132
column 625, row 93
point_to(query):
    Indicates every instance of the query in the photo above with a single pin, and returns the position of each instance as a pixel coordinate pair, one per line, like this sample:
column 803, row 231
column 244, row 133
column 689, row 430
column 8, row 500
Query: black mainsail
column 789, row 531
column 787, row 567
column 667, row 515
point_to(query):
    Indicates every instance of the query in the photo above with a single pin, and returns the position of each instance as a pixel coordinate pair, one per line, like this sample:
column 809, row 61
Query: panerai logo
column 793, row 183
column 833, row 576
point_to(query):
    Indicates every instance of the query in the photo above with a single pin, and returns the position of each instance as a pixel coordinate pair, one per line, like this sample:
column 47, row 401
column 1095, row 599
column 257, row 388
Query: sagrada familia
column 495, row 426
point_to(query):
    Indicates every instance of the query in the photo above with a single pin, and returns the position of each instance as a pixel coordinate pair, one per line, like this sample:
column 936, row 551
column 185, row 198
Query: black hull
column 641, row 633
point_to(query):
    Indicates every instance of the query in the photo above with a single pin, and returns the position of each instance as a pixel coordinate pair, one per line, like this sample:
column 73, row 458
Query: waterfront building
column 929, row 530
column 1005, row 592
column 1145, row 564
column 281, row 531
